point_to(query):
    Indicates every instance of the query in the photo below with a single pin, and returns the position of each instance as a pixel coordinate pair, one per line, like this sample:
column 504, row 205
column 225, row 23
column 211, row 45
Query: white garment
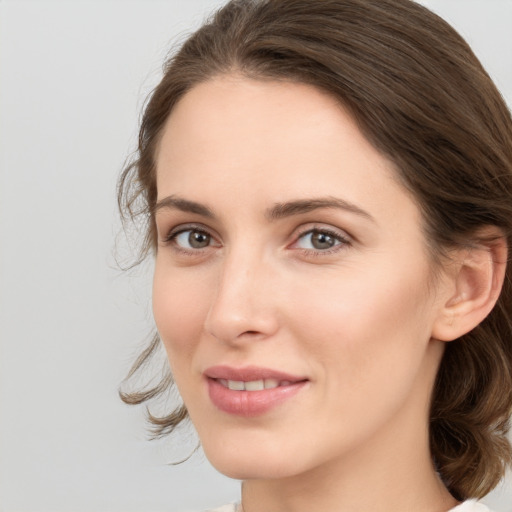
column 226, row 508
column 471, row 506
column 467, row 506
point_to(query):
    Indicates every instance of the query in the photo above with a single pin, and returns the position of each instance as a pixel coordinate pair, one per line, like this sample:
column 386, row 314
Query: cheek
column 369, row 344
column 180, row 304
column 366, row 322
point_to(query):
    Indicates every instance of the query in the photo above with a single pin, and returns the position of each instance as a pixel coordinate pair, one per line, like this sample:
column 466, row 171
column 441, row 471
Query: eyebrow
column 278, row 211
column 184, row 205
column 301, row 206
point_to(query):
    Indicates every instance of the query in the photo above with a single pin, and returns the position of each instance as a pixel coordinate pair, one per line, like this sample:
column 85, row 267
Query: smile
column 252, row 385
column 250, row 391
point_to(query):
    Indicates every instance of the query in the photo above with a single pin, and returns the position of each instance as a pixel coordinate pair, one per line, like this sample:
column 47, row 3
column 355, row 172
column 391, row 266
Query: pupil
column 198, row 240
column 322, row 241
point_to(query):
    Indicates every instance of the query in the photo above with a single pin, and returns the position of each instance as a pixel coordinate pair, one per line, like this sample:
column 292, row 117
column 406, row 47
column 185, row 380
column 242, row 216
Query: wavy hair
column 423, row 99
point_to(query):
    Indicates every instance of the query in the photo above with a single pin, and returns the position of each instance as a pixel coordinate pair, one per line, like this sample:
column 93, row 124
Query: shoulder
column 467, row 506
column 471, row 506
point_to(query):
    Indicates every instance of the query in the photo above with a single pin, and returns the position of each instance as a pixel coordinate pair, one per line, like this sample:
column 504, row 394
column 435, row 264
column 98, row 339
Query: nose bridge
column 242, row 303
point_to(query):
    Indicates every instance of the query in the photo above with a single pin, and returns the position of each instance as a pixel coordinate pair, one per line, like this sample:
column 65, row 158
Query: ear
column 474, row 279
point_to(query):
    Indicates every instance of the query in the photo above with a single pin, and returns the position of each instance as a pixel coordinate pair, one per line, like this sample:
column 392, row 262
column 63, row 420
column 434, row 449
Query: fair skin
column 286, row 244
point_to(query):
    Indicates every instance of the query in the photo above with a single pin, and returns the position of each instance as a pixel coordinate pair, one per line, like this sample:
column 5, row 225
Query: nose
column 244, row 304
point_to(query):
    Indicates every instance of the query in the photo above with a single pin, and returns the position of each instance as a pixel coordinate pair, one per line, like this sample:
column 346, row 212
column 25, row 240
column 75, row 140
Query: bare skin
column 286, row 243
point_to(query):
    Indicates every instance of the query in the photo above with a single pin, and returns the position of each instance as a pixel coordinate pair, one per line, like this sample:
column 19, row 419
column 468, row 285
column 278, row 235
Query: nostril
column 251, row 335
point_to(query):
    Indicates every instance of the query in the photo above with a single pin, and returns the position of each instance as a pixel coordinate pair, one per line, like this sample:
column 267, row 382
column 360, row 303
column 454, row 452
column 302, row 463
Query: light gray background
column 73, row 77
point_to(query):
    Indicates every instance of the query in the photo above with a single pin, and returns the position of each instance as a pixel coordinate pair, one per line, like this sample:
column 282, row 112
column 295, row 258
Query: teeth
column 236, row 385
column 253, row 385
column 271, row 383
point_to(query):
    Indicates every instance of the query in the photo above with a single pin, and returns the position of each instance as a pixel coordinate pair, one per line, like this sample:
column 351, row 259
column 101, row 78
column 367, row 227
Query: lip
column 250, row 403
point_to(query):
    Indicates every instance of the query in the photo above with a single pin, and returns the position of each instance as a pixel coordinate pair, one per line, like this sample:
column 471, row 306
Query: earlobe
column 474, row 282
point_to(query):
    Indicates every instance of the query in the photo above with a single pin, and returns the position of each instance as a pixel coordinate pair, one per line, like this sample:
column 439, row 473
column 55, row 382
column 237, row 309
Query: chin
column 248, row 459
column 242, row 469
column 256, row 459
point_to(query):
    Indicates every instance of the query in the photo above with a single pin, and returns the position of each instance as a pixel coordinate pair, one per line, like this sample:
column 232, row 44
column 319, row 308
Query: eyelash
column 174, row 233
column 343, row 240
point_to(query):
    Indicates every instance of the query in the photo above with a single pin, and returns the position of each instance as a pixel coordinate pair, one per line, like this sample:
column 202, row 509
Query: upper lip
column 249, row 373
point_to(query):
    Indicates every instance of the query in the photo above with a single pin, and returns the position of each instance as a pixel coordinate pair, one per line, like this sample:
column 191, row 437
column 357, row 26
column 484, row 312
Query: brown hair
column 422, row 98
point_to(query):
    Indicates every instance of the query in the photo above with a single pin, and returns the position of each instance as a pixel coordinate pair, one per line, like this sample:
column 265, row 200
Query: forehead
column 234, row 137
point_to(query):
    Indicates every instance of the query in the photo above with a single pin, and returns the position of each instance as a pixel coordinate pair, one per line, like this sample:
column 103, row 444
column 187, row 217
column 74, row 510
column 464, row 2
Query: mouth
column 250, row 391
column 253, row 385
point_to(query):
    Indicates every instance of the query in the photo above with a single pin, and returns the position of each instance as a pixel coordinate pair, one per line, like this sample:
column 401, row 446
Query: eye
column 191, row 239
column 320, row 240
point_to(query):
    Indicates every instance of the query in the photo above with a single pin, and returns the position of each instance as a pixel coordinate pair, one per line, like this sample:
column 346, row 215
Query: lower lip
column 250, row 403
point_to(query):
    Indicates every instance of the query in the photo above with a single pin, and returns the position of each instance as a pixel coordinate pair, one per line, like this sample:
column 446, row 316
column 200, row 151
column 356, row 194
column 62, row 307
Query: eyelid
column 339, row 234
column 173, row 232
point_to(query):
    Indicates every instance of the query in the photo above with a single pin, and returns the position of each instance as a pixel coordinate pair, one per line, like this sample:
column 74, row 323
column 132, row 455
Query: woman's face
column 293, row 289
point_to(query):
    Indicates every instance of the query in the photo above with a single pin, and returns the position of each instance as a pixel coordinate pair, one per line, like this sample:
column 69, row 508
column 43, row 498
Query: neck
column 359, row 484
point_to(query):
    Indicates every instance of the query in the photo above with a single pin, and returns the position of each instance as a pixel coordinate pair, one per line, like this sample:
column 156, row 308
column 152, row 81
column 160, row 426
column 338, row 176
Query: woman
column 327, row 189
